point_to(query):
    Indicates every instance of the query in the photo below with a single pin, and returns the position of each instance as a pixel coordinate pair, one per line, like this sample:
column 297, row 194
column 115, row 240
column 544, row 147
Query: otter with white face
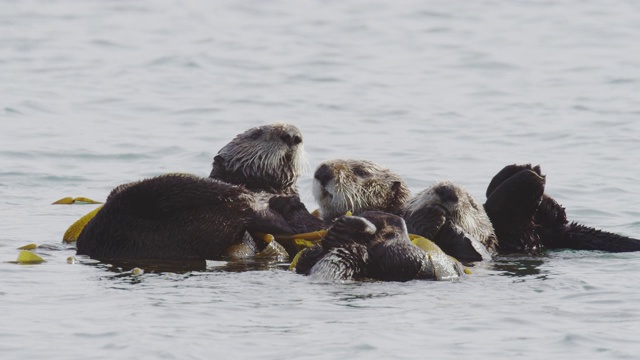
column 444, row 213
column 266, row 158
column 357, row 185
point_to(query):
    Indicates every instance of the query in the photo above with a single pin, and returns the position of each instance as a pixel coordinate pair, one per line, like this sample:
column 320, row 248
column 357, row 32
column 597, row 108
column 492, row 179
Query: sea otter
column 527, row 220
column 448, row 215
column 266, row 158
column 357, row 186
column 185, row 217
column 374, row 245
column 175, row 217
column 445, row 213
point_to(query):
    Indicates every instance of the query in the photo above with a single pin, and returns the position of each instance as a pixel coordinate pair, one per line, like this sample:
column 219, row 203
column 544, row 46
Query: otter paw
column 286, row 204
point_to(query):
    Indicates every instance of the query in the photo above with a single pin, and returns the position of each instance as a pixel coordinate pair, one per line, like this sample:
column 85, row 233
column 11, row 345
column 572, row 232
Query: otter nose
column 323, row 174
column 291, row 138
column 447, row 193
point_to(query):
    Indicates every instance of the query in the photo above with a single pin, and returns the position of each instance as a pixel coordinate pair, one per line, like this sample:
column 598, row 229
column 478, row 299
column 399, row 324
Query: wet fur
column 266, row 158
column 374, row 245
column 458, row 224
column 175, row 217
column 186, row 217
column 527, row 220
column 357, row 186
column 448, row 215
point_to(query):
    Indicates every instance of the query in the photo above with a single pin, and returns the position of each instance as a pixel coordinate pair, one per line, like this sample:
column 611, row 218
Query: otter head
column 347, row 230
column 357, row 186
column 265, row 158
column 389, row 227
column 459, row 206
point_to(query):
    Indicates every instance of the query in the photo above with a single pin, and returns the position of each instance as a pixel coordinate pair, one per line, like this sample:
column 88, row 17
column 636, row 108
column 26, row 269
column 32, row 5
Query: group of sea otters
column 367, row 209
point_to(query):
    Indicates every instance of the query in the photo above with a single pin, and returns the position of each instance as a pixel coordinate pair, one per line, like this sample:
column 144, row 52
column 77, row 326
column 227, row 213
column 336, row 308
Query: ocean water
column 97, row 93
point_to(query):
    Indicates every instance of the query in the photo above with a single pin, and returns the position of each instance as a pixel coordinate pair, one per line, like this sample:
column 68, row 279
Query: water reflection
column 130, row 267
column 519, row 267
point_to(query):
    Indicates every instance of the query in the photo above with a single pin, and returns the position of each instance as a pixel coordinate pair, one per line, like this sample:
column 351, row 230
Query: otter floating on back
column 374, row 245
column 445, row 213
column 448, row 215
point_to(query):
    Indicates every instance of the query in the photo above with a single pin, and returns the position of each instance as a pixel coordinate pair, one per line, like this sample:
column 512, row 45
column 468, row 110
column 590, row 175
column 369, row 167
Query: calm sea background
column 97, row 93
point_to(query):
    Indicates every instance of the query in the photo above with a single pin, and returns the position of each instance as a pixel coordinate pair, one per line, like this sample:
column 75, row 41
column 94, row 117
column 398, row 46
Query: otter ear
column 218, row 166
column 395, row 186
column 218, row 161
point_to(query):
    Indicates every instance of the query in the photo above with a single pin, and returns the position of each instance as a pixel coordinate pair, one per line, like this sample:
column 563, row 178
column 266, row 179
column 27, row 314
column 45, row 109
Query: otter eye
column 256, row 134
column 360, row 172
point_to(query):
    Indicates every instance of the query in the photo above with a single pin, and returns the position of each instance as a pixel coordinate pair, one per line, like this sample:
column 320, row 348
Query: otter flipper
column 581, row 237
column 511, row 208
column 507, row 172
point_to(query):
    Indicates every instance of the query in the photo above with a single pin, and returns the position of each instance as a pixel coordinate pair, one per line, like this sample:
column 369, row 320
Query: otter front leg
column 426, row 221
column 431, row 222
column 296, row 214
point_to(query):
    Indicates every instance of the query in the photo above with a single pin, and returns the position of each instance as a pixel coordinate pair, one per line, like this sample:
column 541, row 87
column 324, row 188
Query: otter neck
column 264, row 184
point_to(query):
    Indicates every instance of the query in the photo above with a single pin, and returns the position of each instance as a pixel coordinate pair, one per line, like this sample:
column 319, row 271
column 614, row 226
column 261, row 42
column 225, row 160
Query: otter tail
column 581, row 237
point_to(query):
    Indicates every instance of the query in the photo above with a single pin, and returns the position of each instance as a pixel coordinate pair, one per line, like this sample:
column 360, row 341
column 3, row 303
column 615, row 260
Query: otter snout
column 446, row 194
column 323, row 174
column 291, row 138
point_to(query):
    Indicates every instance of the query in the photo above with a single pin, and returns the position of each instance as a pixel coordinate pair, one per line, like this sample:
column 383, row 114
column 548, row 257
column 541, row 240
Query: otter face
column 357, row 186
column 388, row 227
column 266, row 158
column 459, row 206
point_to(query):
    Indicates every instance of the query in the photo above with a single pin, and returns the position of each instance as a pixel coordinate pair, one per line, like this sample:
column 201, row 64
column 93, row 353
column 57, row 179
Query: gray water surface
column 95, row 94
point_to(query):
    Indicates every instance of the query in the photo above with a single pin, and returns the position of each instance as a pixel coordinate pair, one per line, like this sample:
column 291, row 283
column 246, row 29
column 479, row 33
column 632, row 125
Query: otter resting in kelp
column 448, row 215
column 444, row 213
column 374, row 245
column 526, row 220
column 185, row 217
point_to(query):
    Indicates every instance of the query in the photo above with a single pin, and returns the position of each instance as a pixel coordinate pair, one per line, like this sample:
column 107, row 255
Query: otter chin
column 185, row 217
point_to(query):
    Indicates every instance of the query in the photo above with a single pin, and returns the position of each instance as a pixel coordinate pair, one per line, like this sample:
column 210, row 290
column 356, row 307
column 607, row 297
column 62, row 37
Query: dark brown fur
column 185, row 217
column 374, row 245
column 527, row 220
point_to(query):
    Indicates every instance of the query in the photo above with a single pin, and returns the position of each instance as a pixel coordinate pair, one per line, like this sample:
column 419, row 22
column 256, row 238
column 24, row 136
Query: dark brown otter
column 526, row 220
column 185, row 217
column 374, row 245
column 175, row 217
